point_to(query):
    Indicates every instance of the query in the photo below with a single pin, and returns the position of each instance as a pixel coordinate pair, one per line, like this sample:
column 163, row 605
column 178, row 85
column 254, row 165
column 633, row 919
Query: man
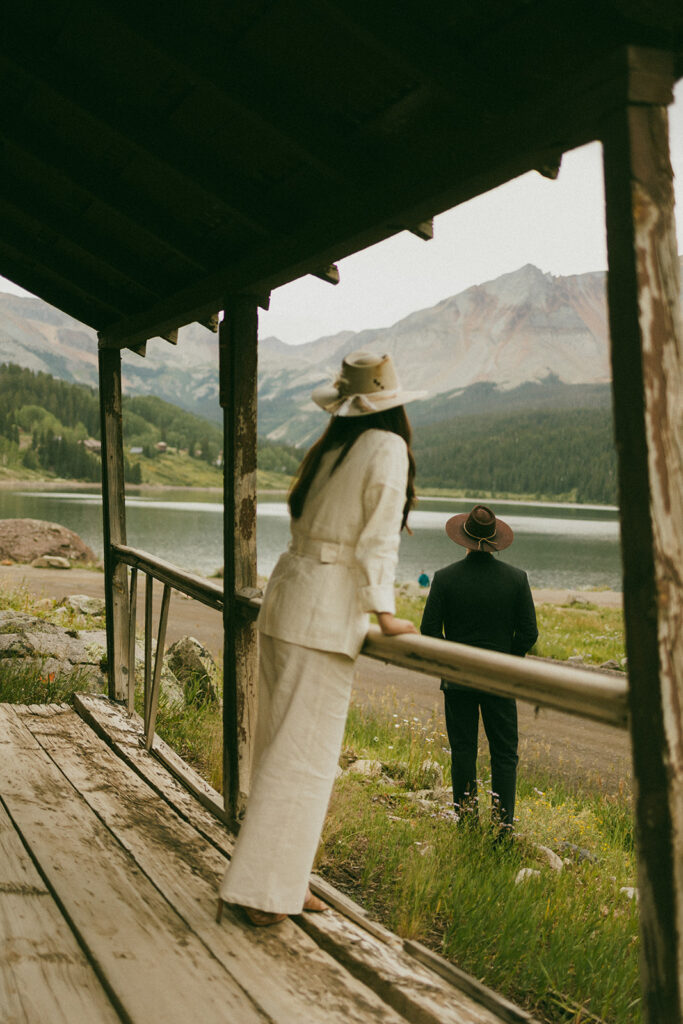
column 483, row 602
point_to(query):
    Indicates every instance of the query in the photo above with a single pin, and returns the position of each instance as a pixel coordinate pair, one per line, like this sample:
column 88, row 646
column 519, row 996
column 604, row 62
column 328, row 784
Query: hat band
column 343, row 405
column 481, row 540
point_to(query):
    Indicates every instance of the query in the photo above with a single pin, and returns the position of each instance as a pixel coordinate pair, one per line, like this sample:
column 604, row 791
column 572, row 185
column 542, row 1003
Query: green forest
column 565, row 453
column 44, row 422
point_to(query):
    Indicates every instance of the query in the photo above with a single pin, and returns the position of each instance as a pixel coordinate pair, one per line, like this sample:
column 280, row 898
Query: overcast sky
column 556, row 225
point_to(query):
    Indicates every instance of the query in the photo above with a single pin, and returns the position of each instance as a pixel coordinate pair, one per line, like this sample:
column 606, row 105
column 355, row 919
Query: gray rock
column 611, row 664
column 432, row 773
column 95, row 642
column 576, row 852
column 525, row 874
column 366, row 767
column 84, row 604
column 193, row 667
column 630, row 892
column 51, row 562
column 555, row 862
column 27, row 642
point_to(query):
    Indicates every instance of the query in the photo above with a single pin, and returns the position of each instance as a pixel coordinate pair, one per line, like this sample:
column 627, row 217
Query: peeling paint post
column 647, row 360
column 114, row 521
column 238, row 339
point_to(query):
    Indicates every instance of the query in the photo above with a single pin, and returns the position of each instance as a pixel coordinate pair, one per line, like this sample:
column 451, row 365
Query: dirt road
column 579, row 749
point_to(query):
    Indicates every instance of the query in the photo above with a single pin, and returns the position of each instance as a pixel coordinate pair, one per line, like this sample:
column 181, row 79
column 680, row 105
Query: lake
column 560, row 546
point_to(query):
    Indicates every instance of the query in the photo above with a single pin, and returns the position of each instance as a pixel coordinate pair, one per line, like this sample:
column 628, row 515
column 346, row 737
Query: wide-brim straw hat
column 480, row 530
column 367, row 383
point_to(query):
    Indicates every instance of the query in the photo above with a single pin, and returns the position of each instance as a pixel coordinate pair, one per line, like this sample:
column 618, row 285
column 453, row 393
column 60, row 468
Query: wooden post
column 647, row 362
column 238, row 338
column 114, row 521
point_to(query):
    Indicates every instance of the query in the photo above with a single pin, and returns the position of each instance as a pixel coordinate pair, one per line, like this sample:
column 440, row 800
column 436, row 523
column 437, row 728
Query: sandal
column 312, row 903
column 259, row 918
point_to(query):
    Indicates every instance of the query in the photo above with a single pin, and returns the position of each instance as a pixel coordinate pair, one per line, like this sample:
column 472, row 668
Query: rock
column 630, row 892
column 50, row 562
column 554, row 861
column 84, row 604
column 364, row 766
column 193, row 667
column 524, row 874
column 432, row 773
column 29, row 642
column 95, row 641
column 610, row 664
column 577, row 852
column 23, row 540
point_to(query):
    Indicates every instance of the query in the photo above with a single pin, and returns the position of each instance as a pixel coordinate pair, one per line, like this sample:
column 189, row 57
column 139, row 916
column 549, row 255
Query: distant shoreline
column 432, row 494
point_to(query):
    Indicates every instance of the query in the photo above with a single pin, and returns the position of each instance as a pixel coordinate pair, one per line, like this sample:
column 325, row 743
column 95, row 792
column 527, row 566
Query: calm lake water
column 564, row 546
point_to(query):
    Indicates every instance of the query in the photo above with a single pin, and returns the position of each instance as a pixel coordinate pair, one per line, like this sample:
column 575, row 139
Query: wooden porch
column 109, row 870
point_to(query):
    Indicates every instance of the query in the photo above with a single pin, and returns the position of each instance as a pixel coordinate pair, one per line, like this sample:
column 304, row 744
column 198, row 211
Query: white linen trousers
column 340, row 566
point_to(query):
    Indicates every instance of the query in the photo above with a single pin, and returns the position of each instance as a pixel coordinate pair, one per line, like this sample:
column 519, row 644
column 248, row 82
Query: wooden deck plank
column 186, row 870
column 44, row 974
column 138, row 945
column 372, row 953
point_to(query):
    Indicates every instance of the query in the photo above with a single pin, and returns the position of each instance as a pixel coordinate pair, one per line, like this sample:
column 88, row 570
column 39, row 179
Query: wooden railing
column 588, row 694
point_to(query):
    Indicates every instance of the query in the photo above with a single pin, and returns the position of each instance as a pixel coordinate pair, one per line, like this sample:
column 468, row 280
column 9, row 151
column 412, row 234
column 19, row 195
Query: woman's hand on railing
column 391, row 626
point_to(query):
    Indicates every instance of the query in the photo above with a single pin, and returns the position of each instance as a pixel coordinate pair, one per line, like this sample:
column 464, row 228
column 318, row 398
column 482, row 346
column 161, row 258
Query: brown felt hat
column 479, row 530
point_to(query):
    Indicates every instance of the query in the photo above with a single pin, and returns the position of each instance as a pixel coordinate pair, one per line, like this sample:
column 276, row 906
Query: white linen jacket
column 343, row 551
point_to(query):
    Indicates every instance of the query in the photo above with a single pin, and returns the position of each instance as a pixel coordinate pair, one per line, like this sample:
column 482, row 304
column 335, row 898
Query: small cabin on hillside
column 161, row 165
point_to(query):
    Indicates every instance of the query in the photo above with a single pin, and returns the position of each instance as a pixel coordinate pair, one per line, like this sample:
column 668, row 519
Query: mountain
column 526, row 339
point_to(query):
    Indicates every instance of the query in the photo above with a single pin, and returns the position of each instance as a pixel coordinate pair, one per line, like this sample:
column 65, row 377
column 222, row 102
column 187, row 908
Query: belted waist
column 328, row 552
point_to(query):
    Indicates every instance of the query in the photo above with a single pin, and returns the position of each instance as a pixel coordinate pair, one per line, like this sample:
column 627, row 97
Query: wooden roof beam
column 423, row 230
column 329, row 274
column 50, row 285
column 99, row 189
column 498, row 152
column 267, row 103
column 58, row 238
column 191, row 168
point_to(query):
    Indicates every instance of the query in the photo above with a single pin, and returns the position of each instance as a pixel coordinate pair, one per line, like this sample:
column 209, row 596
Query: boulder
column 432, row 773
column 366, row 767
column 84, row 604
column 95, row 641
column 193, row 667
column 23, row 540
column 525, row 874
column 30, row 642
column 555, row 862
column 51, row 562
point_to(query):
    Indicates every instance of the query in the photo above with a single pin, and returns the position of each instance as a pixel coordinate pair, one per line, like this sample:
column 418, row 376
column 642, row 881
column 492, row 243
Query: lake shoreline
column 431, row 494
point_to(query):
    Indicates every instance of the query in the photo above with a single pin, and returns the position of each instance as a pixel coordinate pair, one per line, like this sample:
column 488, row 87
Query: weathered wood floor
column 108, row 876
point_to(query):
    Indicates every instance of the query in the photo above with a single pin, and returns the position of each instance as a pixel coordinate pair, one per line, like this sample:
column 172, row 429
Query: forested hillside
column 565, row 454
column 44, row 422
column 562, row 453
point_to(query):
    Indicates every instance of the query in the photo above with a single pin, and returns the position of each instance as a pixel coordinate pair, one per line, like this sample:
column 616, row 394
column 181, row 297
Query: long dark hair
column 342, row 432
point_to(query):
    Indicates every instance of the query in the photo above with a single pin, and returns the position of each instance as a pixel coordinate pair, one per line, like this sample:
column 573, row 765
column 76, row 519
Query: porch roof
column 153, row 164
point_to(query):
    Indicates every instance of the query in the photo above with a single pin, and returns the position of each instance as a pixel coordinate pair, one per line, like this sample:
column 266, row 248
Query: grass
column 593, row 632
column 563, row 939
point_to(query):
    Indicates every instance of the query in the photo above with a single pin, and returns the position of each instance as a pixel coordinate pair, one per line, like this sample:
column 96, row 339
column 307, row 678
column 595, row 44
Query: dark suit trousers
column 499, row 715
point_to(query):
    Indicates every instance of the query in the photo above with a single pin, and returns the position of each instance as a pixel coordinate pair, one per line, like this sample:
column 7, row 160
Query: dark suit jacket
column 482, row 602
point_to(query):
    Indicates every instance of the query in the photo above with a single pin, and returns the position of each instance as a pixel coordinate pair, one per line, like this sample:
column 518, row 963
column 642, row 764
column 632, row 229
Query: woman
column 348, row 505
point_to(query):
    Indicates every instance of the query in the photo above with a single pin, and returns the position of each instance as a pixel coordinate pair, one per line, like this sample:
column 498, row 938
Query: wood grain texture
column 44, row 974
column 142, row 949
column 647, row 360
column 369, row 951
column 186, row 870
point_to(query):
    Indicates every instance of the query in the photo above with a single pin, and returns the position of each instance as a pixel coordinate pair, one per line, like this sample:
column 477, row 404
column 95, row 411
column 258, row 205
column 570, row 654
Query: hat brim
column 327, row 397
column 455, row 528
